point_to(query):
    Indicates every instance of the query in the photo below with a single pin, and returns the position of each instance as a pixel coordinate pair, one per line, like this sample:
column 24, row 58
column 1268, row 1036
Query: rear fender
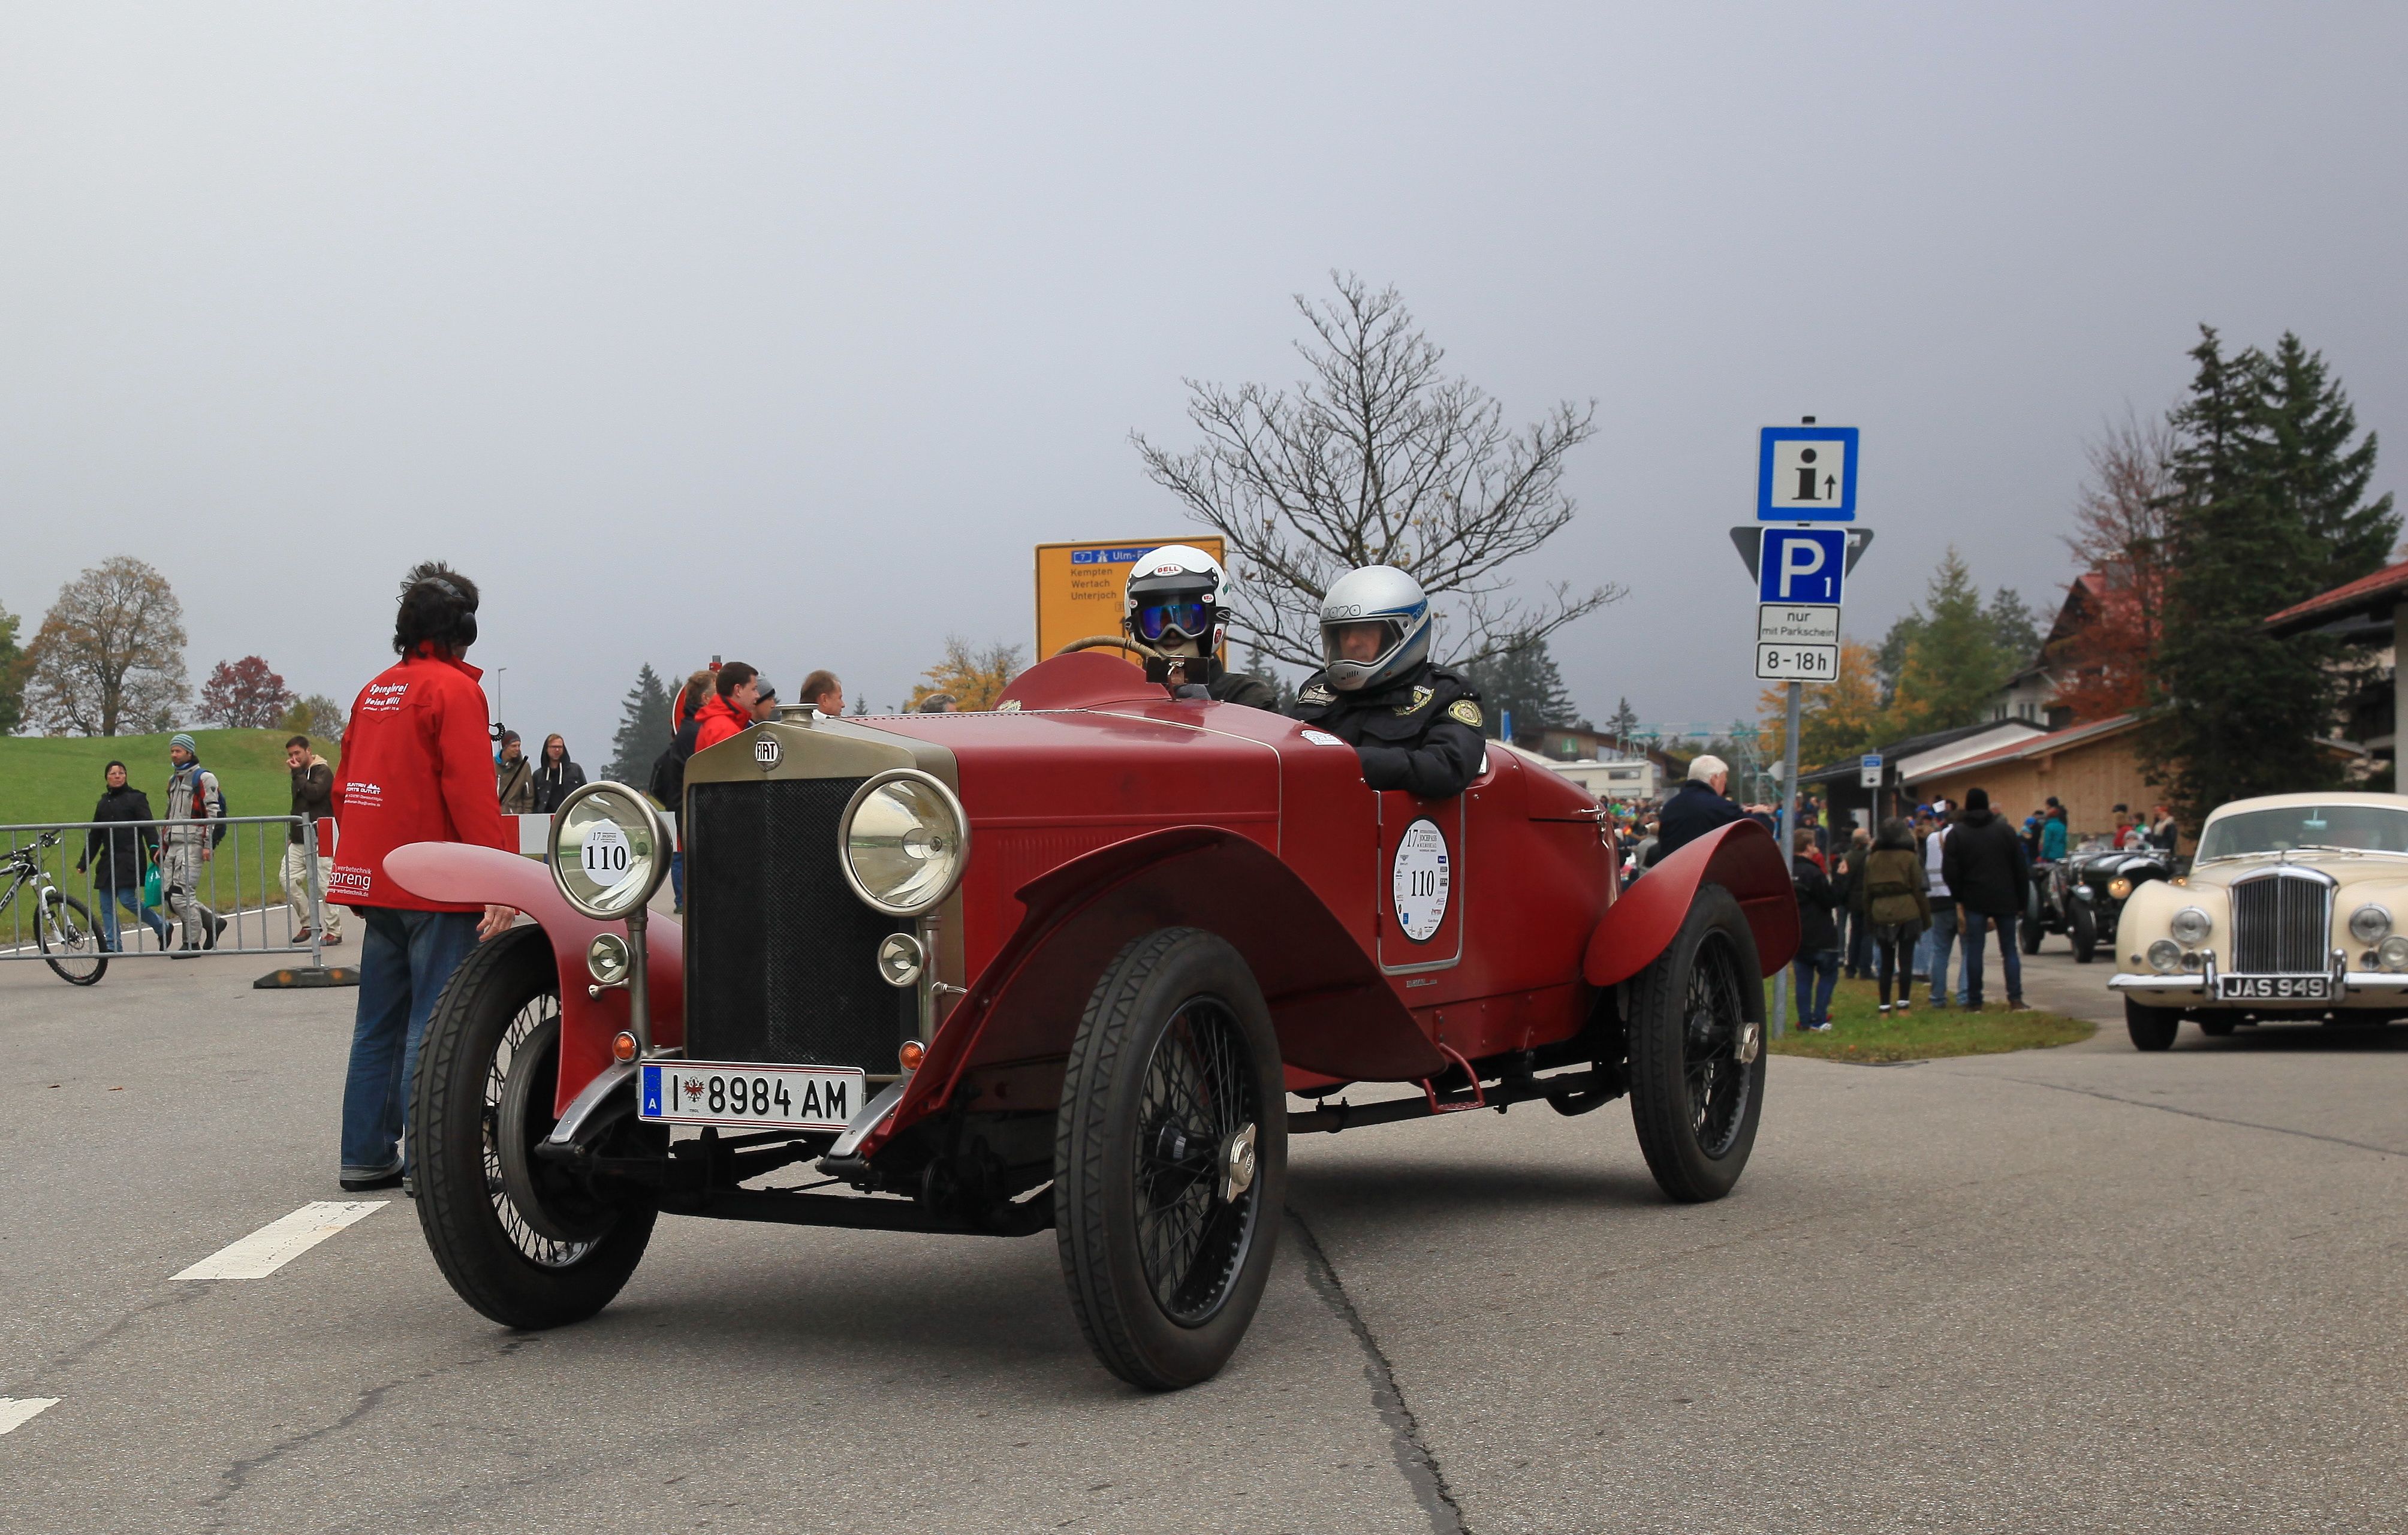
column 1644, row 919
column 459, row 873
column 1335, row 1012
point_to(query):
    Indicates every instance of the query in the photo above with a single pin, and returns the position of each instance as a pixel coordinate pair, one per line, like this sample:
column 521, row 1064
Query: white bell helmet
column 1172, row 601
column 1383, row 595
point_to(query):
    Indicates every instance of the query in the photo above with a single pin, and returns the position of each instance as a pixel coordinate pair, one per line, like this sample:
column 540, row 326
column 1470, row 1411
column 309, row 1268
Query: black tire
column 2152, row 1028
column 1696, row 1051
column 2082, row 925
column 496, row 1022
column 2031, row 935
column 1174, row 1059
column 2217, row 1028
column 64, row 930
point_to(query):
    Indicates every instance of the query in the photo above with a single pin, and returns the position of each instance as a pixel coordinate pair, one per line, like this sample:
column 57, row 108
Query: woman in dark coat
column 555, row 775
column 115, row 856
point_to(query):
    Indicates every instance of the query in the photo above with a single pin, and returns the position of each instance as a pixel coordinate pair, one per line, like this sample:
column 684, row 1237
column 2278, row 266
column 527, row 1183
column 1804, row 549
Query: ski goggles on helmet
column 1189, row 618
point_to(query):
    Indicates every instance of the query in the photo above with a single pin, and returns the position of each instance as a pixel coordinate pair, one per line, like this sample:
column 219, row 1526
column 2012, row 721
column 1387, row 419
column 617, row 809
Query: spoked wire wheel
column 1715, row 1033
column 68, row 942
column 1696, row 1051
column 531, row 1044
column 516, row 1236
column 1170, row 1159
column 1196, row 1196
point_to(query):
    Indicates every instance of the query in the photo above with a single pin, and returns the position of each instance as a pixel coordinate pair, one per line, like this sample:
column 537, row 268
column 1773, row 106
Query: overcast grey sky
column 784, row 331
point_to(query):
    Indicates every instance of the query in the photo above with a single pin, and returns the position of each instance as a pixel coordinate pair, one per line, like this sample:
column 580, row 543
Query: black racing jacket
column 1420, row 733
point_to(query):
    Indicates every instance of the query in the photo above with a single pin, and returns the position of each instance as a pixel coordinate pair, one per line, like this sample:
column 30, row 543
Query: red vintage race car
column 1082, row 964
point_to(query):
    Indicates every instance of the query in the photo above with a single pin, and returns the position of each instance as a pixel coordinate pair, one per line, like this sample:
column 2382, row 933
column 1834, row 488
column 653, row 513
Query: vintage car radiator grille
column 2279, row 925
column 780, row 953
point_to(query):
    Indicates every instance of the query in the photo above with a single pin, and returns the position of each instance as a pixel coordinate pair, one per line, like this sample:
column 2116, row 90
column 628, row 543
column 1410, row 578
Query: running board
column 1572, row 1093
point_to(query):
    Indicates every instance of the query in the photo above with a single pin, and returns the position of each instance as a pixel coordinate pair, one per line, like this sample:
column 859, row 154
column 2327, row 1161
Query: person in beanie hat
column 186, row 845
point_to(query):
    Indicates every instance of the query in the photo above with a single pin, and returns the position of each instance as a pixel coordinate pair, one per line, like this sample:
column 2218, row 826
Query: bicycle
column 63, row 927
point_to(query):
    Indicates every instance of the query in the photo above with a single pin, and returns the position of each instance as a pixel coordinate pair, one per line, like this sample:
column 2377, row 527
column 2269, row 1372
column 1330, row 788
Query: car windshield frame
column 2351, row 829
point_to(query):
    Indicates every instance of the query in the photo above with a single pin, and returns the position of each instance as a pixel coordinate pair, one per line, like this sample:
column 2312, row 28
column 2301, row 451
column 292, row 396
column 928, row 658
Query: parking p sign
column 1802, row 565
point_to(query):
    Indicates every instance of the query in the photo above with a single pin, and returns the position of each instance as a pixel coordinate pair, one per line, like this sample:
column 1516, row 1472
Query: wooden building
column 2090, row 768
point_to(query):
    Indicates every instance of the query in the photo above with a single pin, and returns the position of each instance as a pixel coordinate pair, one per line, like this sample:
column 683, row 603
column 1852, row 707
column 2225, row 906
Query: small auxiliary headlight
column 2395, row 952
column 2119, row 887
column 2369, row 922
column 607, row 958
column 2165, row 957
column 2190, row 925
column 900, row 960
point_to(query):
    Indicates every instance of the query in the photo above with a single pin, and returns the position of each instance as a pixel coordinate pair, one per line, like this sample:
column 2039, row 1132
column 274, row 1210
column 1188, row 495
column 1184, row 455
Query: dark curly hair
column 438, row 603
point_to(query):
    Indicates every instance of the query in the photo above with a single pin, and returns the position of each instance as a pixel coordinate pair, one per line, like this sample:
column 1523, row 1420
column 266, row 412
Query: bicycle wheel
column 70, row 945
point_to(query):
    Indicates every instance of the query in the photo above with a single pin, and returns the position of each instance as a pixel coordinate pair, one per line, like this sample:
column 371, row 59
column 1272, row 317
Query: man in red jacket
column 417, row 766
column 729, row 711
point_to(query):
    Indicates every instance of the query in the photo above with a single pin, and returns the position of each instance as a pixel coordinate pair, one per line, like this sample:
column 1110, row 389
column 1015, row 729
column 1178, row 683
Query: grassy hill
column 57, row 777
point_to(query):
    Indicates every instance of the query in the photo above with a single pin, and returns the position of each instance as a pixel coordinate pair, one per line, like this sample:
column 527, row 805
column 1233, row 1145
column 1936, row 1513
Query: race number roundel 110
column 1420, row 881
column 603, row 856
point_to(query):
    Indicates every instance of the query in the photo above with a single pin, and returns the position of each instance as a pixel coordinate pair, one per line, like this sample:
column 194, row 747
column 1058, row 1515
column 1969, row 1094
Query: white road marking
column 16, row 1411
column 278, row 1243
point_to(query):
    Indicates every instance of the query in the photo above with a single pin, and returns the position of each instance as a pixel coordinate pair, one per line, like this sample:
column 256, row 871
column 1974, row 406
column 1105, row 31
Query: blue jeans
column 676, row 877
column 1813, row 1001
column 1944, row 940
column 1977, row 927
column 105, row 911
column 405, row 959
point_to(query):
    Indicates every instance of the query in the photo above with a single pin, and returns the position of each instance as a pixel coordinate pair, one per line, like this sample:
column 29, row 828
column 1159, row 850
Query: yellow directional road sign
column 1079, row 585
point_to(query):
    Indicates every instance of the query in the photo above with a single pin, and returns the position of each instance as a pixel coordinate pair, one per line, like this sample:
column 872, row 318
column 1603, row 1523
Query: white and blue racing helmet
column 1378, row 594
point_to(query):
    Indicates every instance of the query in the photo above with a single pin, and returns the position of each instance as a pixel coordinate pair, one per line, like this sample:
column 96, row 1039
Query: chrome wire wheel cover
column 1717, row 1050
column 535, row 1246
column 1198, row 1114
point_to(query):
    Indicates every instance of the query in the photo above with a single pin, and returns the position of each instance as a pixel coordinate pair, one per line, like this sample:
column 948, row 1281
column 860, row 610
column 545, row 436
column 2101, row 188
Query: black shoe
column 369, row 1185
column 216, row 925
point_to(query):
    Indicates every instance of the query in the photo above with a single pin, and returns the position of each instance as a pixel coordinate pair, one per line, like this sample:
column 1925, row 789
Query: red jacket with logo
column 417, row 766
column 719, row 719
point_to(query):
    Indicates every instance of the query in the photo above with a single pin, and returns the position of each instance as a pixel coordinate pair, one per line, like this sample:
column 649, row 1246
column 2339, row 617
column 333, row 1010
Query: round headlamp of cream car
column 904, row 841
column 2394, row 953
column 2369, row 923
column 2190, row 925
column 608, row 850
column 2165, row 957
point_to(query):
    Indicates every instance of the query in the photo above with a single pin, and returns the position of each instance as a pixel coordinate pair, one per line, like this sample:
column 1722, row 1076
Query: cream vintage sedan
column 2295, row 910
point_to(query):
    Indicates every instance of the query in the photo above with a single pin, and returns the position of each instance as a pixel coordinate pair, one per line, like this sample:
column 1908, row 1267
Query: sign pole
column 1783, row 822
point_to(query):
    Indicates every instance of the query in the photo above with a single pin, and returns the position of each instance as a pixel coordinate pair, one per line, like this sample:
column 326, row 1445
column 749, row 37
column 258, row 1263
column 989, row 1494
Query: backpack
column 668, row 769
column 218, row 828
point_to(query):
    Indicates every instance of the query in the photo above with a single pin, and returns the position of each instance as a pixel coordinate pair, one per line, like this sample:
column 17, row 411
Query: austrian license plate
column 763, row 1097
column 2273, row 988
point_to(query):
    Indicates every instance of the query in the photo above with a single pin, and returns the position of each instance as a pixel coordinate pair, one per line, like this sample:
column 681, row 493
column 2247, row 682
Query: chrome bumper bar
column 2345, row 981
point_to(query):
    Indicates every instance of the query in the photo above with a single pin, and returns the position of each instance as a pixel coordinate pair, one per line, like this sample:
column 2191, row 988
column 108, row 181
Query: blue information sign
column 1807, row 474
column 1802, row 565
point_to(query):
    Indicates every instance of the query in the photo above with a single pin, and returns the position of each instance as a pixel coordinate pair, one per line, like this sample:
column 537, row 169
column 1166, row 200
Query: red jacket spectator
column 721, row 720
column 417, row 766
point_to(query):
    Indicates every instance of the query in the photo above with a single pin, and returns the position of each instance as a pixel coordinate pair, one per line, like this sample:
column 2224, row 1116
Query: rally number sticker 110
column 763, row 1097
column 1419, row 882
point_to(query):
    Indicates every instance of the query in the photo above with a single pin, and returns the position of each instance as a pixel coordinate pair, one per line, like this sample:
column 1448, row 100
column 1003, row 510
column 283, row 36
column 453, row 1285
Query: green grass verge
column 1860, row 1032
column 59, row 778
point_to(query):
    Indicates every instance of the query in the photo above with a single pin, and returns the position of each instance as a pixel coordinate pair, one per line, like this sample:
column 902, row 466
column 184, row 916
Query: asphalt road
column 2080, row 1289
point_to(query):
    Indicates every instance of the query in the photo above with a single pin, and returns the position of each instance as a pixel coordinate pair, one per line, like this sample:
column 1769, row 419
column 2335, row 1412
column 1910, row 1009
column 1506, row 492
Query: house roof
column 2376, row 594
column 2055, row 740
column 1899, row 750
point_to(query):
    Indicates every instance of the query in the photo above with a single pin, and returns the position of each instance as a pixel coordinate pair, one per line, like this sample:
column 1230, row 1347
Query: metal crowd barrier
column 241, row 883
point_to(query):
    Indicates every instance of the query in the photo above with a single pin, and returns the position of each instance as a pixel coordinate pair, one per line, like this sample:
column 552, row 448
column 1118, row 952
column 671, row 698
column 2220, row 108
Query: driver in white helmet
column 1415, row 725
column 1174, row 612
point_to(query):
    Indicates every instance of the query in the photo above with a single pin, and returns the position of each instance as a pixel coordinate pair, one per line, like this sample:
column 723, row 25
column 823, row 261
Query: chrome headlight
column 2394, row 951
column 2165, row 957
column 904, row 841
column 608, row 849
column 2190, row 925
column 2369, row 922
column 2119, row 887
column 608, row 959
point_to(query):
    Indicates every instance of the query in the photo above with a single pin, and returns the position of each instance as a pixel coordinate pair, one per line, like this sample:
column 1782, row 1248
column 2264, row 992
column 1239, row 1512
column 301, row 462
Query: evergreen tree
column 2266, row 511
column 643, row 729
column 1525, row 683
column 1623, row 722
column 2013, row 629
column 1952, row 664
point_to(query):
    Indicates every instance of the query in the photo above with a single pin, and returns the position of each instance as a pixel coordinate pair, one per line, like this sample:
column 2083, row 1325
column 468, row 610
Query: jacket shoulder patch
column 1422, row 695
column 1465, row 710
column 1316, row 694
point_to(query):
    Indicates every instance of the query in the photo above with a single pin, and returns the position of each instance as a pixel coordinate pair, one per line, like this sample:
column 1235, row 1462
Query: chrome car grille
column 2281, row 923
column 781, row 956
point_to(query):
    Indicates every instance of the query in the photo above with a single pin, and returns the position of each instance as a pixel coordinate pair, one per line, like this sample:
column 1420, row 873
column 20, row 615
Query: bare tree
column 2120, row 516
column 1377, row 459
column 111, row 652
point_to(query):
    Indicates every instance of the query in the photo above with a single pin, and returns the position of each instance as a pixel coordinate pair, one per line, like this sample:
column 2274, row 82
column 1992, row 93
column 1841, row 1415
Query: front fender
column 460, row 874
column 1335, row 1012
column 1743, row 859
